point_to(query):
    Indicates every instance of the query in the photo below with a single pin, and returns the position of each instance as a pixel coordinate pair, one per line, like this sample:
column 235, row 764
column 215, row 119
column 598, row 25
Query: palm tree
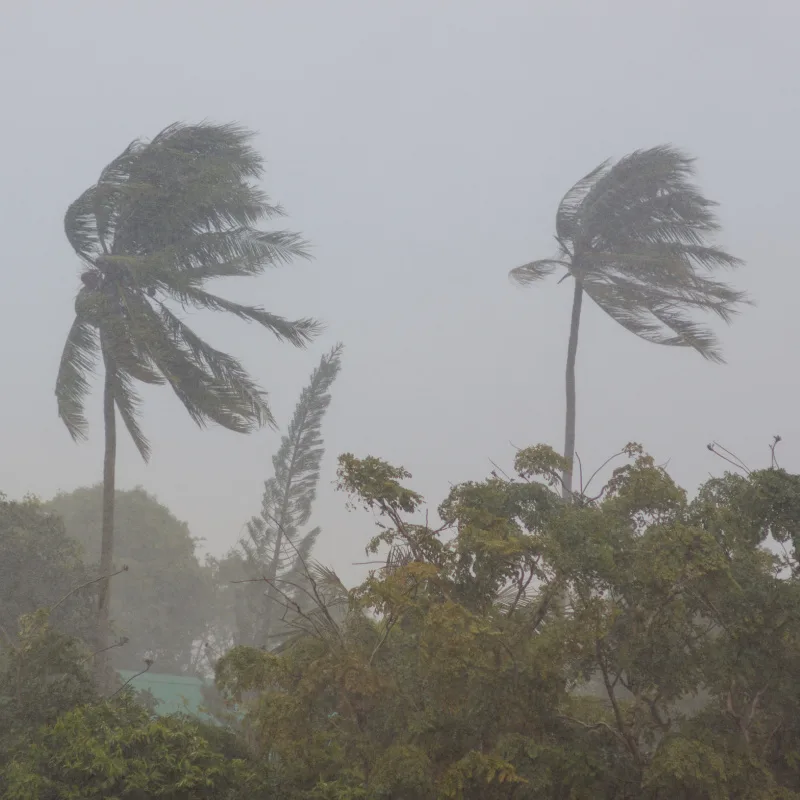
column 634, row 238
column 164, row 218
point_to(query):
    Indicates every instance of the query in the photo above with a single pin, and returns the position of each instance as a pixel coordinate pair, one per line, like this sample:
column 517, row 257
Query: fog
column 422, row 148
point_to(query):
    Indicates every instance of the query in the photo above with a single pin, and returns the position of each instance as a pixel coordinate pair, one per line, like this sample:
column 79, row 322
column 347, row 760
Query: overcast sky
column 422, row 146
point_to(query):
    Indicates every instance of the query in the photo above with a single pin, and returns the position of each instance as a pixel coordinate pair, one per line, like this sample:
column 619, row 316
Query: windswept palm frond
column 128, row 403
column 568, row 216
column 297, row 332
column 535, row 270
column 78, row 362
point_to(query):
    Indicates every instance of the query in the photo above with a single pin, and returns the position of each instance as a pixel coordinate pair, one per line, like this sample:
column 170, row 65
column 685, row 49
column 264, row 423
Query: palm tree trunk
column 572, row 351
column 102, row 663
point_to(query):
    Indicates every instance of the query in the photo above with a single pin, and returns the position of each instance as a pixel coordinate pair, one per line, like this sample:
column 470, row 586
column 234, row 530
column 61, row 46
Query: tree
column 163, row 603
column 275, row 550
column 40, row 565
column 164, row 218
column 454, row 674
column 634, row 238
column 59, row 739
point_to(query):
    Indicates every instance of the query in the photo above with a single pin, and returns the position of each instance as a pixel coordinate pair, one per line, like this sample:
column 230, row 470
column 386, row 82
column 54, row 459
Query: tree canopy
column 636, row 236
column 165, row 600
column 40, row 566
column 164, row 218
column 669, row 672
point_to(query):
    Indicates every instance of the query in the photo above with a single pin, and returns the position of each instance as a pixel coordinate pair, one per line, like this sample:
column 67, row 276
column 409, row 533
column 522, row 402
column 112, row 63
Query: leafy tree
column 40, row 565
column 456, row 675
column 275, row 549
column 634, row 238
column 164, row 601
column 42, row 675
column 164, row 218
column 58, row 739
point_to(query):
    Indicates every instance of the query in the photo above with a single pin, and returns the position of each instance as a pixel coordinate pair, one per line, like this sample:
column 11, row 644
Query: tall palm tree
column 635, row 238
column 164, row 218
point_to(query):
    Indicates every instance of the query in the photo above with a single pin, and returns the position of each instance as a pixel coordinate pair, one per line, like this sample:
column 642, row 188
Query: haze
column 422, row 148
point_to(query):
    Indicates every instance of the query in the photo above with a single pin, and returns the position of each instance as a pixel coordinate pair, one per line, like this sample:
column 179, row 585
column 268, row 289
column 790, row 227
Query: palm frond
column 226, row 369
column 569, row 208
column 128, row 404
column 297, row 332
column 81, row 228
column 282, row 247
column 78, row 361
column 652, row 318
column 204, row 397
column 535, row 271
column 90, row 221
column 645, row 188
column 239, row 251
column 199, row 176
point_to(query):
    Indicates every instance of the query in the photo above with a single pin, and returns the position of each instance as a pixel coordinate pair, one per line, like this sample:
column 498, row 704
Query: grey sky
column 422, row 147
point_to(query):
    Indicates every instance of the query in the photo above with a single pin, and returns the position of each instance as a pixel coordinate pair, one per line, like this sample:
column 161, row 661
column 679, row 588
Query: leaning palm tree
column 634, row 238
column 164, row 218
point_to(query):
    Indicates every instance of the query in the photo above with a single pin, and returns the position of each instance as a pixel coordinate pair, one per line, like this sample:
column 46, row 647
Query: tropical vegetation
column 525, row 639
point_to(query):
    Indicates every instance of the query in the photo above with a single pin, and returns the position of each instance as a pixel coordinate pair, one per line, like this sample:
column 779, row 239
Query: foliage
column 39, row 566
column 274, row 555
column 164, row 218
column 635, row 236
column 42, row 674
column 669, row 672
column 59, row 740
column 164, row 601
column 119, row 750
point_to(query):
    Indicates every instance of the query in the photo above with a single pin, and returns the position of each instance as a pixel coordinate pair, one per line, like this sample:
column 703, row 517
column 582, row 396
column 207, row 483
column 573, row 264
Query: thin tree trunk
column 572, row 351
column 280, row 523
column 272, row 594
column 102, row 662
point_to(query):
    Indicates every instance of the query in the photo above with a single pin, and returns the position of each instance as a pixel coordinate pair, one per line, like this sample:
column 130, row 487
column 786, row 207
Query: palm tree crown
column 165, row 217
column 634, row 235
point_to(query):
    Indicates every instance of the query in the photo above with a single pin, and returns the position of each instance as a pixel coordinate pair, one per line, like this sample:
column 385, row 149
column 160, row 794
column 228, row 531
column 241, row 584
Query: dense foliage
column 468, row 667
column 59, row 740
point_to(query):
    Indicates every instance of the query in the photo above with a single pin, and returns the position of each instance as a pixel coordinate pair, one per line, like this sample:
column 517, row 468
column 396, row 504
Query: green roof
column 177, row 694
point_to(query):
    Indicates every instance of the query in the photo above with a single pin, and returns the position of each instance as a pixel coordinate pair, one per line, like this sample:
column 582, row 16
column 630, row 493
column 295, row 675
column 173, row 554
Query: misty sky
column 422, row 147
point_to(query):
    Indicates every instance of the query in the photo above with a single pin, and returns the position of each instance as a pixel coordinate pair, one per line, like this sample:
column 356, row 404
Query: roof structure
column 176, row 694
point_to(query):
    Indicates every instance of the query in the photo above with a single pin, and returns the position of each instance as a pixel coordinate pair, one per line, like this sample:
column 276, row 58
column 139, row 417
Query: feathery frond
column 535, row 271
column 78, row 361
column 274, row 547
column 128, row 404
